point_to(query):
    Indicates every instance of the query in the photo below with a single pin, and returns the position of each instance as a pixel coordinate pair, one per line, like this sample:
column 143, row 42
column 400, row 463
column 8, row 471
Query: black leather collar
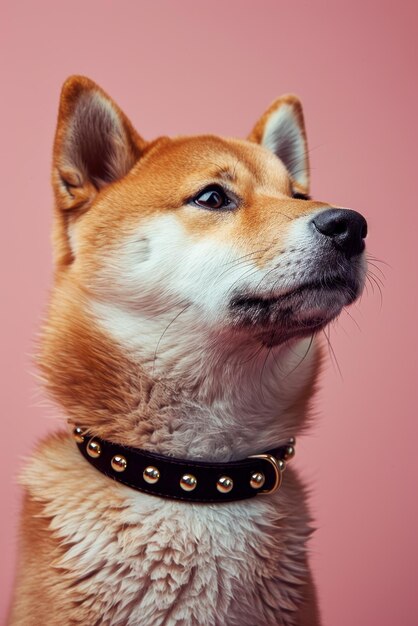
column 191, row 481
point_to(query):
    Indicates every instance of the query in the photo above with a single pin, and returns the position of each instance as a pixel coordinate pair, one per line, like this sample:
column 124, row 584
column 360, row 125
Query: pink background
column 196, row 66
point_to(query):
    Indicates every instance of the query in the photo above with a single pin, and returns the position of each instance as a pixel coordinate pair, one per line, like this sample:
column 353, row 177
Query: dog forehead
column 172, row 170
column 211, row 156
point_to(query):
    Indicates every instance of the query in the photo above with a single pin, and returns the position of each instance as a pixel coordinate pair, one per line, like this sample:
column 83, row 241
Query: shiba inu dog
column 193, row 276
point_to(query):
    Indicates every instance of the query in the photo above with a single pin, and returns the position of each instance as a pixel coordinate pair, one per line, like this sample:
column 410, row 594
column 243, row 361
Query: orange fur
column 111, row 388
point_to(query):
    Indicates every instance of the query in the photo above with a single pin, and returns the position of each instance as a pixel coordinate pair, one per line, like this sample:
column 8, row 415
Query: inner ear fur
column 281, row 129
column 95, row 143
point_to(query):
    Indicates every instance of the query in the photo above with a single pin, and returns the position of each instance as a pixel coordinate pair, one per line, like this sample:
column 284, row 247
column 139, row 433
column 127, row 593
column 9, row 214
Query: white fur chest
column 138, row 560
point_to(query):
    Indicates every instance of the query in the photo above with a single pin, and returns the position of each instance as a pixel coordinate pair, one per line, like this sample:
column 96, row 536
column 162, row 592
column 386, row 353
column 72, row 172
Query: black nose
column 347, row 229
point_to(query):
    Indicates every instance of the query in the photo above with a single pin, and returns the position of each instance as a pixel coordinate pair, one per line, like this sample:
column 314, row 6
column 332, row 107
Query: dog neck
column 190, row 394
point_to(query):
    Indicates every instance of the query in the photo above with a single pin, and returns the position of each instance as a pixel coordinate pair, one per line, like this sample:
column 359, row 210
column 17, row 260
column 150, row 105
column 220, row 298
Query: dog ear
column 282, row 130
column 95, row 144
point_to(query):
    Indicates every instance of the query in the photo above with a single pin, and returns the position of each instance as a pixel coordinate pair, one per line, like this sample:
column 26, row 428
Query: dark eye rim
column 298, row 195
column 230, row 200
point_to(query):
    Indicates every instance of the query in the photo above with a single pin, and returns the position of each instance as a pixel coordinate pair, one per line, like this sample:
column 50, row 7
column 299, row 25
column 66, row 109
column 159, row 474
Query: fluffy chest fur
column 130, row 559
column 192, row 277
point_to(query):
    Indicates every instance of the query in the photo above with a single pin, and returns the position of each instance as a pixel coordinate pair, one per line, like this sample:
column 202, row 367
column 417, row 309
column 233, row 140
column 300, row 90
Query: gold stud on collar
column 257, row 480
column 188, row 482
column 224, row 484
column 78, row 434
column 151, row 475
column 289, row 453
column 94, row 449
column 119, row 463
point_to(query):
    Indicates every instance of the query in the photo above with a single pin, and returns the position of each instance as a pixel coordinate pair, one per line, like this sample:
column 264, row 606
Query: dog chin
column 271, row 337
column 298, row 313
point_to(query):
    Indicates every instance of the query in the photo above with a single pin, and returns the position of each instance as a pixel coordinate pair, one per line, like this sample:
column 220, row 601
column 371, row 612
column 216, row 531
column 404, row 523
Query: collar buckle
column 278, row 466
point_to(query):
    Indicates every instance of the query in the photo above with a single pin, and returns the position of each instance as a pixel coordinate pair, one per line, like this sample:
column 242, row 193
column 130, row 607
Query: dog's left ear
column 282, row 130
column 95, row 144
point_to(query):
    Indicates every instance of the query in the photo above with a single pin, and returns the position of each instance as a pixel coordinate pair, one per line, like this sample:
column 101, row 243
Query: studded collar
column 179, row 479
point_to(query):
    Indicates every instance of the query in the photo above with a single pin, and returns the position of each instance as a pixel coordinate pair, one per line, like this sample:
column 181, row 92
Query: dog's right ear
column 95, row 144
column 282, row 130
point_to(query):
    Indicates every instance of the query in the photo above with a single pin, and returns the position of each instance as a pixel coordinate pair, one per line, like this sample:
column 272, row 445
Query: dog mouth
column 297, row 312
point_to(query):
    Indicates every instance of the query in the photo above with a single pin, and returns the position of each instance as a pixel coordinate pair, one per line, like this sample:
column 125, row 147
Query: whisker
column 332, row 354
column 246, row 274
column 353, row 319
column 379, row 269
column 188, row 305
column 304, row 356
column 253, row 355
column 242, row 265
column 378, row 278
column 262, row 371
column 273, row 269
column 373, row 258
column 372, row 281
column 245, row 256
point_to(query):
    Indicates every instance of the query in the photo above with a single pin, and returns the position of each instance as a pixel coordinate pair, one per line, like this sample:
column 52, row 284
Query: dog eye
column 297, row 195
column 213, row 197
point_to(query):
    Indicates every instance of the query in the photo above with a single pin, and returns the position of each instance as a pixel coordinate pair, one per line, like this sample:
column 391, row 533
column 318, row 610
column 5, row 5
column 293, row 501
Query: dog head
column 223, row 227
column 189, row 260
